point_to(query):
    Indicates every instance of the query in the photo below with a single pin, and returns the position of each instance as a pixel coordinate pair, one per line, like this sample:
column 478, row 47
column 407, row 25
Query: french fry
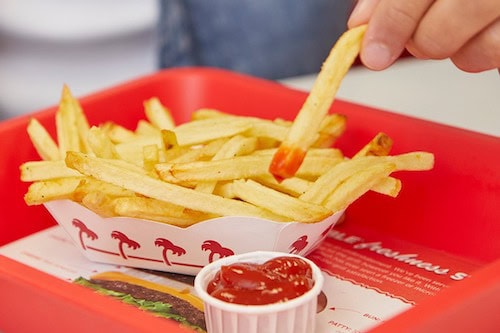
column 380, row 145
column 45, row 170
column 42, row 141
column 304, row 130
column 159, row 116
column 389, row 186
column 40, row 192
column 72, row 125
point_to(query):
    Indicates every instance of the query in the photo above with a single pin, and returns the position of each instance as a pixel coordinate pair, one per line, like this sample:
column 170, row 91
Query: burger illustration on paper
column 162, row 300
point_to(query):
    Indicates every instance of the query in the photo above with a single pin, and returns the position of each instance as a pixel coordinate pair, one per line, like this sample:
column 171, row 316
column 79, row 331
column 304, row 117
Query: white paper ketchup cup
column 293, row 316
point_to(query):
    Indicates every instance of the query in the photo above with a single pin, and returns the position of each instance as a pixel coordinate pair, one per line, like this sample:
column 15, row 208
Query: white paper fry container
column 293, row 316
column 160, row 246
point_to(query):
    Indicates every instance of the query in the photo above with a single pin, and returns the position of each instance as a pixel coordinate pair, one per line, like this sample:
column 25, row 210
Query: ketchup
column 277, row 280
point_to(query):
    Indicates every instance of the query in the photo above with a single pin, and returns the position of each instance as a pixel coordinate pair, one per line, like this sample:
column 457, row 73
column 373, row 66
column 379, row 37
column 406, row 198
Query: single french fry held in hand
column 305, row 127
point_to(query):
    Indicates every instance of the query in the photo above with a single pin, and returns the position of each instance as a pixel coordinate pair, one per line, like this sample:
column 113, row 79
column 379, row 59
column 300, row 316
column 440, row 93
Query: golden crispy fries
column 305, row 128
column 72, row 125
column 53, row 189
column 216, row 165
column 103, row 170
column 328, row 182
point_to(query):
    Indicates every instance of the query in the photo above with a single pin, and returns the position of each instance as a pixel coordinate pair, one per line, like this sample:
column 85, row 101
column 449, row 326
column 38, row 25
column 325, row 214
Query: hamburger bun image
column 160, row 300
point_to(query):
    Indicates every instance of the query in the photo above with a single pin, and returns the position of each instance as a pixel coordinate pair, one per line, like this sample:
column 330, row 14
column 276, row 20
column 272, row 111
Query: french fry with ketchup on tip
column 304, row 130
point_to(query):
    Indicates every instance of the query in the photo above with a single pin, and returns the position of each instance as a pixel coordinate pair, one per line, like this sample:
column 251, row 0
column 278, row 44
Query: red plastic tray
column 453, row 208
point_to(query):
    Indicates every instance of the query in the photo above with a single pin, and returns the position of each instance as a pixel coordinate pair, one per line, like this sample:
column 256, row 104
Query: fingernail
column 376, row 56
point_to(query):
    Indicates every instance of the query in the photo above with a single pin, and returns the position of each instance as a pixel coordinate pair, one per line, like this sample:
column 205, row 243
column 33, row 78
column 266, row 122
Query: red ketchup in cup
column 276, row 280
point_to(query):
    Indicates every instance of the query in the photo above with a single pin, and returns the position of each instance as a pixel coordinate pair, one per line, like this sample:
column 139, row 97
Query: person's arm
column 467, row 32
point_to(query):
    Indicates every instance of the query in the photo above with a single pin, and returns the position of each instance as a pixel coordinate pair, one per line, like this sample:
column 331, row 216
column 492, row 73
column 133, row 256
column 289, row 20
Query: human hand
column 467, row 32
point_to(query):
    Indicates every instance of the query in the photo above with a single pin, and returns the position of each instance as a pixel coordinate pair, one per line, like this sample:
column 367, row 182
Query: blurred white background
column 88, row 45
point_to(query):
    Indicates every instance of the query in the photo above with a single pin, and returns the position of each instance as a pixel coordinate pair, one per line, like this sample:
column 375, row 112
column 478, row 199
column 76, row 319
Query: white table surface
column 431, row 90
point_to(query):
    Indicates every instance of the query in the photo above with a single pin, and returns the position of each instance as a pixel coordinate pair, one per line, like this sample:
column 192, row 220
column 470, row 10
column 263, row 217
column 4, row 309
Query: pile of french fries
column 218, row 164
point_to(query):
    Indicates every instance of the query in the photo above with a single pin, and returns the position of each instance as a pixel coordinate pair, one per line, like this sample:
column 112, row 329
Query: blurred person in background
column 273, row 39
